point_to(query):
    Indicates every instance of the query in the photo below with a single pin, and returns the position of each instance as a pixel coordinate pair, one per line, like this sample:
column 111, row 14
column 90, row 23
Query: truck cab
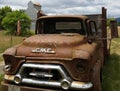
column 65, row 54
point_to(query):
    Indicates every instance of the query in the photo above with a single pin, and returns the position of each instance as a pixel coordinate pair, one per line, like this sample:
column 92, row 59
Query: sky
column 69, row 6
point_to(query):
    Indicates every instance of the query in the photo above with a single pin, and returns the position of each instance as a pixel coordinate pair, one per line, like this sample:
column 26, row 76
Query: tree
column 10, row 22
column 3, row 12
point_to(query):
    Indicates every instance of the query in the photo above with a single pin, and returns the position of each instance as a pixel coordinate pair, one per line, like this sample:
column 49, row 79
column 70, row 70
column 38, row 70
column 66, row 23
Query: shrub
column 3, row 12
column 10, row 22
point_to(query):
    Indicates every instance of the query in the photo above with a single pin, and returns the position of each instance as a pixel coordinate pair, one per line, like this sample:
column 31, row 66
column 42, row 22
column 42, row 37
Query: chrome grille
column 41, row 74
column 43, row 71
column 47, row 75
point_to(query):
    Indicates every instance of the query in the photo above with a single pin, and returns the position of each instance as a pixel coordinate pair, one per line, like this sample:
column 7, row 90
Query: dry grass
column 119, row 30
column 7, row 41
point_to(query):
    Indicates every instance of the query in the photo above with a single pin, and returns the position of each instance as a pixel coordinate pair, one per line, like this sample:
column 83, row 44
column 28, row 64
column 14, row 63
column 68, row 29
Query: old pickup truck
column 67, row 53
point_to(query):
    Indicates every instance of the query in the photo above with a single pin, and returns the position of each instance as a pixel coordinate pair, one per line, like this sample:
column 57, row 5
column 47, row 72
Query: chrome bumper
column 66, row 82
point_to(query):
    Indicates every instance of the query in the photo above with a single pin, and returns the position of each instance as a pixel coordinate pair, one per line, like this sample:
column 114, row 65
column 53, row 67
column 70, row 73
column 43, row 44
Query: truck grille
column 41, row 74
column 47, row 75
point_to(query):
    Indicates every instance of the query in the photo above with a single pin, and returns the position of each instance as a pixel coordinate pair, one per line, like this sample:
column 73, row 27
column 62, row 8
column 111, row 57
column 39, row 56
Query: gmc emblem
column 43, row 50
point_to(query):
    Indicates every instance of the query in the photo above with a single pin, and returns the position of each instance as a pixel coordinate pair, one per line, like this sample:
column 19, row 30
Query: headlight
column 7, row 68
column 81, row 66
column 9, row 61
column 12, row 64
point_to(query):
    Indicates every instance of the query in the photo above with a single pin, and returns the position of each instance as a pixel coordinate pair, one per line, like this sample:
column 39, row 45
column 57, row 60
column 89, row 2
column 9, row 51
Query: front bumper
column 10, row 87
column 74, row 85
column 38, row 79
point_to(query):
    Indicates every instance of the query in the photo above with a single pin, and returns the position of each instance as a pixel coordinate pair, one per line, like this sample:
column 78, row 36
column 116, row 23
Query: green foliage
column 1, row 77
column 11, row 19
column 3, row 12
column 118, row 23
column 108, row 21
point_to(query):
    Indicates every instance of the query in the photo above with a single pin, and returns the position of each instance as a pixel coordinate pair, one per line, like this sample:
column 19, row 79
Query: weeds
column 1, row 77
column 111, row 69
column 7, row 41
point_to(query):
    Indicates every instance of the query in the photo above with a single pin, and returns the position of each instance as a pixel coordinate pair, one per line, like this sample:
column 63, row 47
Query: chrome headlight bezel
column 7, row 68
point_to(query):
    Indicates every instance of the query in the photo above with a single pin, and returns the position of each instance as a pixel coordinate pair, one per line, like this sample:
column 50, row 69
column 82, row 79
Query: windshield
column 62, row 26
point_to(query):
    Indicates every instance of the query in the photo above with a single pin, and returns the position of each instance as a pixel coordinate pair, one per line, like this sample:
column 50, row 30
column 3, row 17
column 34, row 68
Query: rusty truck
column 66, row 54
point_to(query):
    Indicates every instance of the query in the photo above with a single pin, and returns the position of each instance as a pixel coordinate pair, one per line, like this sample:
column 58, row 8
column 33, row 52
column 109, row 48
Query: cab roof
column 82, row 17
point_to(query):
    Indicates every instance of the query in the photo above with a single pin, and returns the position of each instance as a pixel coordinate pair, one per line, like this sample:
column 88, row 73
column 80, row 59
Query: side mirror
column 114, row 29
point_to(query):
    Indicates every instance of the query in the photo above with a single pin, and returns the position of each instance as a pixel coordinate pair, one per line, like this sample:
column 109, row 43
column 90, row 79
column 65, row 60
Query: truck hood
column 56, row 46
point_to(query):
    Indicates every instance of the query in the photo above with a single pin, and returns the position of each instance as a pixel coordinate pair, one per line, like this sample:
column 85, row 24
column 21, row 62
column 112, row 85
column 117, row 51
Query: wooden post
column 114, row 29
column 18, row 28
column 104, row 30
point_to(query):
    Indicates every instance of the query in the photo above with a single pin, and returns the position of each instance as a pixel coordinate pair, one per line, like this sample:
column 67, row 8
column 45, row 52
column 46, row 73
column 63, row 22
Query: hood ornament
column 43, row 50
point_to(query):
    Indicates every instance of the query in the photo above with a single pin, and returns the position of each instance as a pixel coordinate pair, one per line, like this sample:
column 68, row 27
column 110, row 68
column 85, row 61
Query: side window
column 93, row 28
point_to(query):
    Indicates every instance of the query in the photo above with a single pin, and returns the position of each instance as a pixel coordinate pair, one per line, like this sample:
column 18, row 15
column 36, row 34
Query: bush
column 10, row 23
column 3, row 12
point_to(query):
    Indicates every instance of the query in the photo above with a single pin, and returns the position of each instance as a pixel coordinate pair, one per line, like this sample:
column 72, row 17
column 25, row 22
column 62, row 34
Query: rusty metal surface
column 16, row 62
column 64, row 46
column 98, row 20
column 67, row 50
column 101, row 21
column 81, row 17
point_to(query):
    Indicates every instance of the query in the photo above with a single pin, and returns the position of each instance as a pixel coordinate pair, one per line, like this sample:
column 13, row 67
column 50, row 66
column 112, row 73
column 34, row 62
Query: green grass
column 111, row 69
column 1, row 77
